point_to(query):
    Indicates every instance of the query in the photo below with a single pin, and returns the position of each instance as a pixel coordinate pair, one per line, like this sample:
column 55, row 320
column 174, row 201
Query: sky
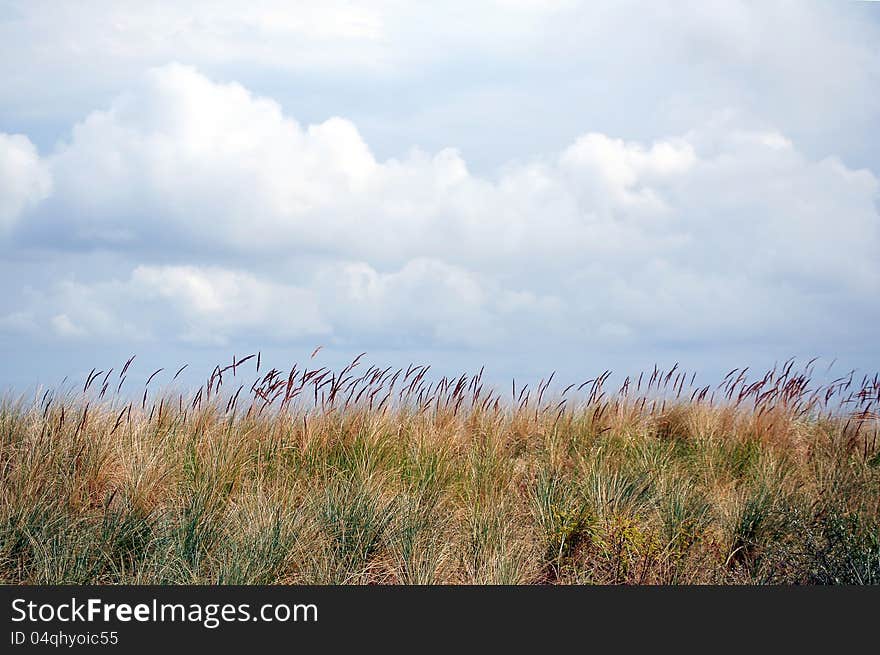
column 526, row 185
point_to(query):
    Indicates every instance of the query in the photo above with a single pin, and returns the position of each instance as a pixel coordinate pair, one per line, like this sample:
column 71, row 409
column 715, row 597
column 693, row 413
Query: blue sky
column 533, row 186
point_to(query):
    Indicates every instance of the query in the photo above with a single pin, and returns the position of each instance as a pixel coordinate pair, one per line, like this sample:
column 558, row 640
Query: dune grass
column 369, row 475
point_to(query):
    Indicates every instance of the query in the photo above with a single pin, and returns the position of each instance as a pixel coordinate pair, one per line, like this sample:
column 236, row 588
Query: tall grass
column 371, row 475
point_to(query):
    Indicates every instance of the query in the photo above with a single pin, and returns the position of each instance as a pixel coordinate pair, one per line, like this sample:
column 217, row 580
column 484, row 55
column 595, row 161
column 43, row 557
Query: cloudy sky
column 526, row 184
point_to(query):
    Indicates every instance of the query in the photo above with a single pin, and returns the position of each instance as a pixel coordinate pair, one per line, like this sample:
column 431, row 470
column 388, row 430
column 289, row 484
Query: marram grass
column 369, row 475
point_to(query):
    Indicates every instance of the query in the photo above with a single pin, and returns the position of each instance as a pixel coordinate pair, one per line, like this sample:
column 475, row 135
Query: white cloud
column 184, row 163
column 203, row 306
column 24, row 178
column 428, row 301
column 266, row 32
column 425, row 302
column 211, row 305
column 240, row 222
column 64, row 327
column 431, row 73
column 187, row 155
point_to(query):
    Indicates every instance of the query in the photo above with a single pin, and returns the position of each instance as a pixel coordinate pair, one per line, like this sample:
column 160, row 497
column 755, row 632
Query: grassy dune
column 382, row 476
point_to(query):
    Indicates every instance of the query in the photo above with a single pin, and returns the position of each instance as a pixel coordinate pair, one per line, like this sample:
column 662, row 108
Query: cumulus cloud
column 214, row 304
column 238, row 220
column 415, row 73
column 428, row 301
column 196, row 305
column 188, row 158
column 425, row 302
column 24, row 178
column 187, row 163
column 264, row 32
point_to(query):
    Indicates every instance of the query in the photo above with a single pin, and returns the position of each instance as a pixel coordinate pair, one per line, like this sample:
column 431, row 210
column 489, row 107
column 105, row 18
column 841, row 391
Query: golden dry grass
column 382, row 476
